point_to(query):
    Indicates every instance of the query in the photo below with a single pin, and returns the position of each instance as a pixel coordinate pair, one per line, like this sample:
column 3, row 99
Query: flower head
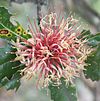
column 54, row 52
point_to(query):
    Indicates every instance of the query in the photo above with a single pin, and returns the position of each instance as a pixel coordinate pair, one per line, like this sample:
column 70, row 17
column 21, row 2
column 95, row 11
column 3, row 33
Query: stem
column 39, row 11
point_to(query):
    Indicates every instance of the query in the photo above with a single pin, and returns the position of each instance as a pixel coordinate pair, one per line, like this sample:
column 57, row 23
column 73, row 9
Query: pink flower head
column 54, row 52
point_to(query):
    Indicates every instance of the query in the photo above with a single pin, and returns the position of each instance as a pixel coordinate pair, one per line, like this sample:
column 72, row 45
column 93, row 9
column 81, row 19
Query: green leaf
column 5, row 17
column 8, row 30
column 14, row 83
column 92, row 70
column 93, row 65
column 5, row 56
column 63, row 92
column 9, row 69
column 86, row 34
column 5, row 22
column 93, row 40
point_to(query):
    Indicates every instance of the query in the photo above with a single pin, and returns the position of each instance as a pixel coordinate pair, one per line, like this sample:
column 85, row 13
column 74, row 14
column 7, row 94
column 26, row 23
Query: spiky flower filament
column 55, row 52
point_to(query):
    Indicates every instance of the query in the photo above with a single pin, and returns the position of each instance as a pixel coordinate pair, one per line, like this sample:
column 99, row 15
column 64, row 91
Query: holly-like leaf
column 93, row 66
column 86, row 34
column 63, row 92
column 93, row 40
column 14, row 82
column 5, row 24
column 9, row 69
column 5, row 56
column 9, row 30
column 92, row 70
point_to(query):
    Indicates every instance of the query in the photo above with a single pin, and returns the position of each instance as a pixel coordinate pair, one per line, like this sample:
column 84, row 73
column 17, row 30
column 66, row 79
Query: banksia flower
column 55, row 51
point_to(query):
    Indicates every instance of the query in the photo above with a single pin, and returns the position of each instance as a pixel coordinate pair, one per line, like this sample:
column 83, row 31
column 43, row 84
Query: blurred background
column 87, row 11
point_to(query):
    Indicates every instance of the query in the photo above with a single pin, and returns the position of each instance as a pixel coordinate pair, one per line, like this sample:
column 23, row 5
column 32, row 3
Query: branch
column 39, row 3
